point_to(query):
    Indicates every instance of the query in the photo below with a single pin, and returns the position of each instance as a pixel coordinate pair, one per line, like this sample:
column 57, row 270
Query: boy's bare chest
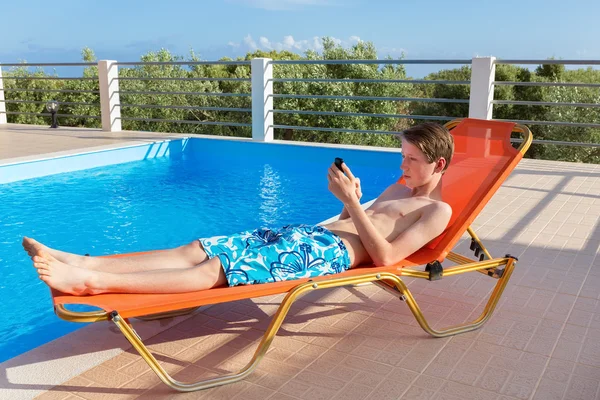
column 399, row 204
column 399, row 208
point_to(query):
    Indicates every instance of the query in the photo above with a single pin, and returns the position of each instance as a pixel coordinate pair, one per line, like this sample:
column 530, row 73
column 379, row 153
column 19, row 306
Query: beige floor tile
column 541, row 343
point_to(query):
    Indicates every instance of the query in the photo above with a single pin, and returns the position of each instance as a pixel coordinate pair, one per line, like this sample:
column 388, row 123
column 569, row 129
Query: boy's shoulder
column 439, row 206
column 437, row 214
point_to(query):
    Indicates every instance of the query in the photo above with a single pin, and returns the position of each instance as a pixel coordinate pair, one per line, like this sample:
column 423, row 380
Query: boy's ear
column 440, row 165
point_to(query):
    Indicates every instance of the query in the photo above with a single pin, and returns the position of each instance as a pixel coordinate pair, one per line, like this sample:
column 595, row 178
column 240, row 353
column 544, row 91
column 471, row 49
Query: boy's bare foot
column 63, row 277
column 33, row 247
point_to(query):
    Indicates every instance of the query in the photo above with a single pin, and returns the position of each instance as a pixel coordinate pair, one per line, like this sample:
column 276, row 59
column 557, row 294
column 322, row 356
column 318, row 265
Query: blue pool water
column 213, row 187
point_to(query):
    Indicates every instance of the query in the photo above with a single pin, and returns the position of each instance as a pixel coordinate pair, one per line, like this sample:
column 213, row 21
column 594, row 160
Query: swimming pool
column 201, row 187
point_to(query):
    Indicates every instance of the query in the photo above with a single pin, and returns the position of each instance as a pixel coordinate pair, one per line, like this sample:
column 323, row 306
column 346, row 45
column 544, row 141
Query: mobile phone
column 338, row 163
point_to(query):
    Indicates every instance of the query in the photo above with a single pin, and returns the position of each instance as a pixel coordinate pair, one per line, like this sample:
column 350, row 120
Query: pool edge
column 95, row 336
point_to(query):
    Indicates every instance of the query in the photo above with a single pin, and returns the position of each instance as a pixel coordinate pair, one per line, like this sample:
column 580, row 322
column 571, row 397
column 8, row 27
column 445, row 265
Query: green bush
column 153, row 111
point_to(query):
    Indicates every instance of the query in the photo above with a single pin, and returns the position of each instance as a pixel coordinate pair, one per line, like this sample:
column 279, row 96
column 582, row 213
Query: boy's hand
column 345, row 187
column 358, row 188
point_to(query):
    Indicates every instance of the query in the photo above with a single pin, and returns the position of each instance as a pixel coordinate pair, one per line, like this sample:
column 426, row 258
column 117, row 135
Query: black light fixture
column 52, row 107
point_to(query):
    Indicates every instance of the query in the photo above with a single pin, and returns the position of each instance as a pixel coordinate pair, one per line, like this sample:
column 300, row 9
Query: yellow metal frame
column 387, row 281
column 499, row 268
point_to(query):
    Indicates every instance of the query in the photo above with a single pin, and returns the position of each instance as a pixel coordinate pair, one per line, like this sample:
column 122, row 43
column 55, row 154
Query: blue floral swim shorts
column 272, row 255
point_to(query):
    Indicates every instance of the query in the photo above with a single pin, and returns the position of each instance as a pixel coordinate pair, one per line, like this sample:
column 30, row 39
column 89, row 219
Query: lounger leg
column 406, row 295
column 137, row 343
column 263, row 346
column 284, row 308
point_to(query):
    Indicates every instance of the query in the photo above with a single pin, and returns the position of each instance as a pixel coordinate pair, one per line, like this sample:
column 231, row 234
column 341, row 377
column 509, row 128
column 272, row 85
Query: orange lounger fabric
column 483, row 159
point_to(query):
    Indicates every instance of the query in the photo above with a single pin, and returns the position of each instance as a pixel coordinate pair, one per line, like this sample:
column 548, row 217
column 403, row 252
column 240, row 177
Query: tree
column 147, row 105
column 444, row 91
column 332, row 51
column 557, row 94
column 587, row 114
column 42, row 87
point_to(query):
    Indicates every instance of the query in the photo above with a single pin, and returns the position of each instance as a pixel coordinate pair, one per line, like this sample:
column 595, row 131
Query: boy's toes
column 42, row 265
column 46, row 256
column 39, row 259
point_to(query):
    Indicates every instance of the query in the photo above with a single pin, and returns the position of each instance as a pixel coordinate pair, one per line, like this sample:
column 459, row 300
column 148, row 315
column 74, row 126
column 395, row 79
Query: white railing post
column 3, row 119
column 483, row 72
column 110, row 108
column 262, row 99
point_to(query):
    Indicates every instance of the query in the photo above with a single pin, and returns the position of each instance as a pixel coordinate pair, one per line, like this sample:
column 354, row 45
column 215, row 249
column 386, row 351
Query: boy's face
column 417, row 170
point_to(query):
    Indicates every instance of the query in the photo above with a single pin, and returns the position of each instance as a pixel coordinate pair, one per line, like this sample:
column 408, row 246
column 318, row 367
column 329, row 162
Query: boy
column 402, row 220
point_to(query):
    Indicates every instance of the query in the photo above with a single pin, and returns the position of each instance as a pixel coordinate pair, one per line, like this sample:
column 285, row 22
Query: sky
column 42, row 31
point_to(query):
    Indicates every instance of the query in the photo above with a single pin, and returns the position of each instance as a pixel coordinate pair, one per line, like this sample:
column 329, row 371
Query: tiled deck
column 542, row 343
column 21, row 142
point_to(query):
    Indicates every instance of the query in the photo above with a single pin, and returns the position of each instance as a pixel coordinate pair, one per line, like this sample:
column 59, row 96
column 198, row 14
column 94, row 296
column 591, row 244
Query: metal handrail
column 184, row 79
column 51, row 78
column 414, row 81
column 556, row 123
column 281, row 62
column 311, row 128
column 245, row 62
column 52, row 90
column 183, row 121
column 383, row 98
column 44, row 102
column 49, row 115
column 575, row 84
column 351, row 114
column 187, row 107
column 81, row 64
column 183, row 63
column 560, row 143
column 184, row 93
column 544, row 103
column 568, row 62
column 308, row 96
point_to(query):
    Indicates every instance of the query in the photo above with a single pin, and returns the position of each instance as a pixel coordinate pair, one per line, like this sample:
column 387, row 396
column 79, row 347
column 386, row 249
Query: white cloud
column 248, row 41
column 317, row 43
column 265, row 43
column 289, row 43
column 282, row 4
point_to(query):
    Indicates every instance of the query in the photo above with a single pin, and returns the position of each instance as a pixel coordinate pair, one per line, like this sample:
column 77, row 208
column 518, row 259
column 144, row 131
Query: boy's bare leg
column 78, row 281
column 181, row 257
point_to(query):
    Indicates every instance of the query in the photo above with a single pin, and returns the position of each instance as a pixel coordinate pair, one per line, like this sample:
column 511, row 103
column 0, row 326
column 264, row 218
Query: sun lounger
column 484, row 157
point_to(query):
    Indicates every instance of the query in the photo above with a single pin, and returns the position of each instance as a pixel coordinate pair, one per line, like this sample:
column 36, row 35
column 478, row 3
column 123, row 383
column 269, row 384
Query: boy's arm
column 432, row 222
column 344, row 214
